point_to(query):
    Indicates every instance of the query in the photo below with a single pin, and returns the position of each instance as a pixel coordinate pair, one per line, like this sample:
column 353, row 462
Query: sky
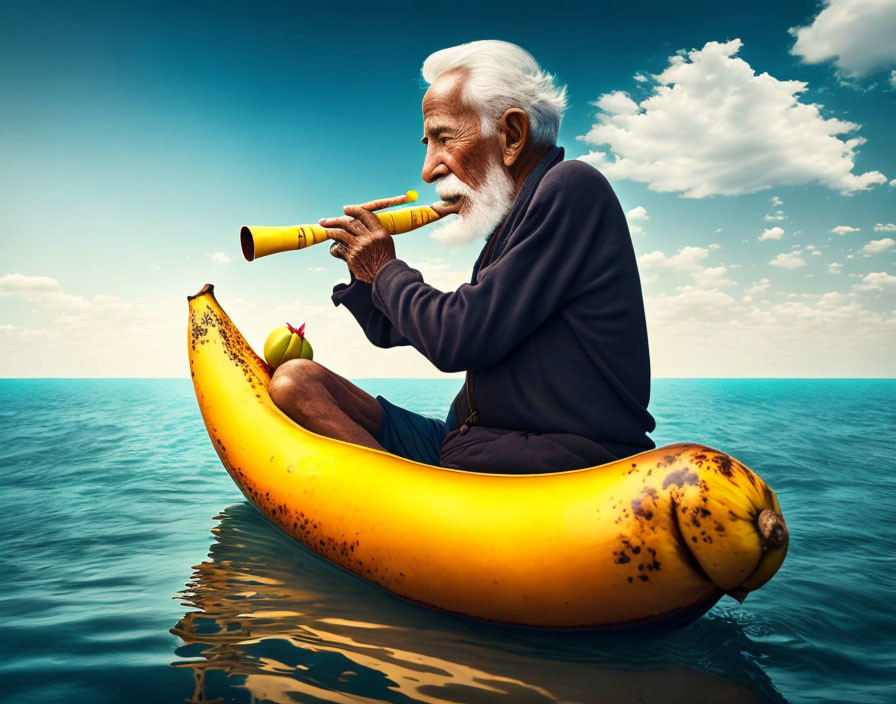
column 751, row 147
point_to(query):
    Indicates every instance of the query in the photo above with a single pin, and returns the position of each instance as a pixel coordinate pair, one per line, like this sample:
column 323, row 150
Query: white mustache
column 450, row 186
column 483, row 208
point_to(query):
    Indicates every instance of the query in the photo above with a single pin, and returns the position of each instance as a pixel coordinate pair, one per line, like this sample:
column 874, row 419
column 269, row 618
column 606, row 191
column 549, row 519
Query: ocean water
column 134, row 571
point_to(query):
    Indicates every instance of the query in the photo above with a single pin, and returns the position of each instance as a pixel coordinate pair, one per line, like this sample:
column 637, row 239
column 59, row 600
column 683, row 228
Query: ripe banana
column 654, row 538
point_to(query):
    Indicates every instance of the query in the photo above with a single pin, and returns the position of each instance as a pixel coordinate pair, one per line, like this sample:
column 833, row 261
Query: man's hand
column 361, row 241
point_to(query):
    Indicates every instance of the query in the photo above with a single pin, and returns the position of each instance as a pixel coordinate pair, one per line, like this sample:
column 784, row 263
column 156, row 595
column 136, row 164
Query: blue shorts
column 410, row 435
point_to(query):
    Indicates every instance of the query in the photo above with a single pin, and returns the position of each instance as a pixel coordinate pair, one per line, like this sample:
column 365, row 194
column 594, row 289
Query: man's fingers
column 384, row 202
column 338, row 250
column 341, row 236
column 346, row 223
column 343, row 221
column 365, row 216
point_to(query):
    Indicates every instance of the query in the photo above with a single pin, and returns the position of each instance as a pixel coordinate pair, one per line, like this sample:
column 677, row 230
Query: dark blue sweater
column 550, row 330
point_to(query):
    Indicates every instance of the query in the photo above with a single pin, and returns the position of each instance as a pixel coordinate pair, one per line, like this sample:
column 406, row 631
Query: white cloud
column 108, row 337
column 876, row 281
column 688, row 260
column 28, row 287
column 888, row 227
column 776, row 201
column 637, row 213
column 834, row 268
column 97, row 334
column 220, row 258
column 738, row 337
column 714, row 276
column 640, row 77
column 317, row 268
column 893, row 183
column 40, row 290
column 776, row 217
column 832, row 299
column 713, row 127
column 772, row 233
column 597, row 158
column 893, row 84
column 617, row 102
column 788, row 260
column 759, row 287
column 856, row 34
column 745, row 337
column 715, row 245
column 844, row 229
column 878, row 246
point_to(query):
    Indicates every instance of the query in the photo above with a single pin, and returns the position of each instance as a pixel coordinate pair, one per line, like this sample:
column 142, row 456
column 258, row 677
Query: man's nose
column 433, row 167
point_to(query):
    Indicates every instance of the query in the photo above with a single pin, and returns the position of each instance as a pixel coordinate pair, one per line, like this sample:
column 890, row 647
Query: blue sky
column 752, row 147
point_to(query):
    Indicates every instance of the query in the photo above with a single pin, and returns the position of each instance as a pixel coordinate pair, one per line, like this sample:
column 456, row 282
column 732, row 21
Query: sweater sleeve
column 356, row 296
column 478, row 324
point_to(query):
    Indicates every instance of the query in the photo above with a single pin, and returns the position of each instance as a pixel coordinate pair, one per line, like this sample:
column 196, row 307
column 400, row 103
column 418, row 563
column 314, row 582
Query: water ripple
column 112, row 501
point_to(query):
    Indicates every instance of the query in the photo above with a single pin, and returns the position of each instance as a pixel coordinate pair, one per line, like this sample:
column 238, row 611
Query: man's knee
column 295, row 381
column 306, row 390
column 305, row 370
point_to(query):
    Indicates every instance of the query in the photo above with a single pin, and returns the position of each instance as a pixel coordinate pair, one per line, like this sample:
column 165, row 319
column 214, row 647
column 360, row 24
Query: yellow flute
column 260, row 240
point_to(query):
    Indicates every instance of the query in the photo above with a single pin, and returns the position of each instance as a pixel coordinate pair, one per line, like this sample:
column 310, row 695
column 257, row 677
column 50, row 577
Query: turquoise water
column 134, row 570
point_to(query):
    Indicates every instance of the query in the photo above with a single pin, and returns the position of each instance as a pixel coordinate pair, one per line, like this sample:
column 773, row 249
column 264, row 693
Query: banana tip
column 738, row 594
column 208, row 288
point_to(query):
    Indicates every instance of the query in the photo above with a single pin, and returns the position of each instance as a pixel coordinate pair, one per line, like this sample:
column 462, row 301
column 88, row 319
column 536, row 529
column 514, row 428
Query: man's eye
column 444, row 140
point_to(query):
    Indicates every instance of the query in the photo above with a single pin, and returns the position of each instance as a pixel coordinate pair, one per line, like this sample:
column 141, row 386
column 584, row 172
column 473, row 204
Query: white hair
column 504, row 76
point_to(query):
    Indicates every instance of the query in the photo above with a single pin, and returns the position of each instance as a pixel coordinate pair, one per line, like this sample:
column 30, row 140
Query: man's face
column 453, row 137
column 466, row 167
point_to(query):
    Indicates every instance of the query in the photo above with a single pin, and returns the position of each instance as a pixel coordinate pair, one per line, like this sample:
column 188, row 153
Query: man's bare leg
column 326, row 403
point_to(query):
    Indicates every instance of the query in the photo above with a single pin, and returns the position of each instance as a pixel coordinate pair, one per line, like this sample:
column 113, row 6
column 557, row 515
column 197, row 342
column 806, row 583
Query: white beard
column 483, row 210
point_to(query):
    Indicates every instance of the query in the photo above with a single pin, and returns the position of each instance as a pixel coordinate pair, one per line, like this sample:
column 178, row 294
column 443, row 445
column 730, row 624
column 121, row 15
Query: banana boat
column 653, row 539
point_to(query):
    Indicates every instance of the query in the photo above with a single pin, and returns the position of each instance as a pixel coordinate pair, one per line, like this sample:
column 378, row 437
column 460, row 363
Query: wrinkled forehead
column 444, row 98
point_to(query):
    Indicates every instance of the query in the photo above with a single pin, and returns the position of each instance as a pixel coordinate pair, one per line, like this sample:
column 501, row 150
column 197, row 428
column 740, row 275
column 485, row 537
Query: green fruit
column 287, row 343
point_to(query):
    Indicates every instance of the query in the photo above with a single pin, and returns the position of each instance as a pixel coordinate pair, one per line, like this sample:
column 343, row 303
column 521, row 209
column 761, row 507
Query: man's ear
column 513, row 126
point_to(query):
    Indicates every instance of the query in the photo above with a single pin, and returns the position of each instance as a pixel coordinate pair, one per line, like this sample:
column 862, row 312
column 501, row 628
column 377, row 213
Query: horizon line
column 435, row 378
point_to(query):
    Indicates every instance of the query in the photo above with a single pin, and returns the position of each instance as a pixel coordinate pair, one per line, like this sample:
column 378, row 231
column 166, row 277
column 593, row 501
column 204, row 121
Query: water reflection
column 270, row 621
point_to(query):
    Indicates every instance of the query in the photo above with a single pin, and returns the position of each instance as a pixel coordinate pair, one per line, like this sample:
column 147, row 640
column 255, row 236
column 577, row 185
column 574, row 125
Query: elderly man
column 550, row 330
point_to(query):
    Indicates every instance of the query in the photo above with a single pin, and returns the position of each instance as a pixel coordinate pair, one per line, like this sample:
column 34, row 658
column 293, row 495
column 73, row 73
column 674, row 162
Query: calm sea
column 134, row 571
